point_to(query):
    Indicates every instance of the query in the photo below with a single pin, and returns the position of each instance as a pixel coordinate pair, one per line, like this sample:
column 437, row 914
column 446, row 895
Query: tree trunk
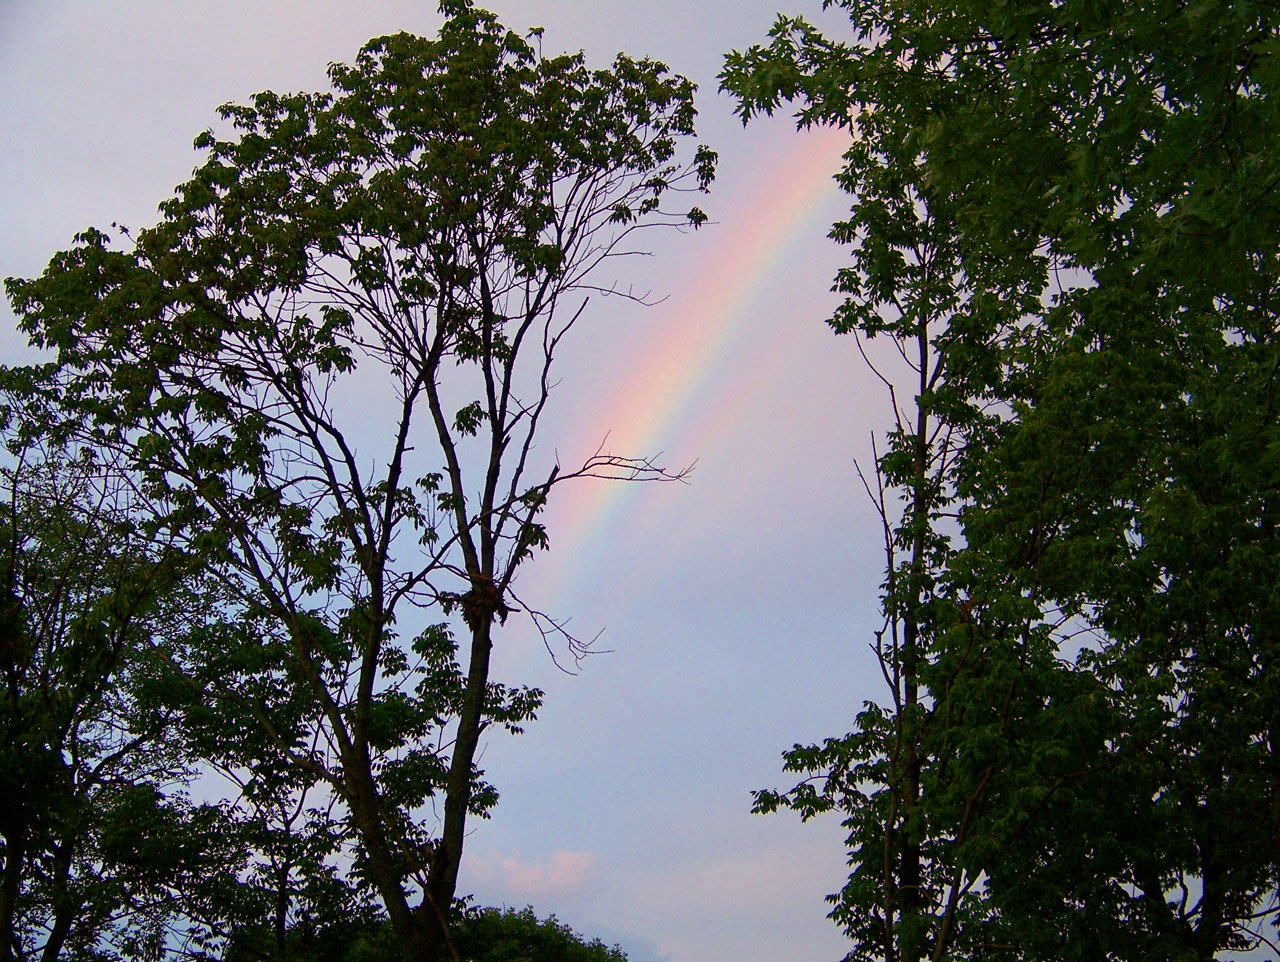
column 387, row 877
column 909, row 874
column 448, row 858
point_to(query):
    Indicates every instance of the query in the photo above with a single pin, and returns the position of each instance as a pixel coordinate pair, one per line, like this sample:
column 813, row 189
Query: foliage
column 1095, row 726
column 96, row 827
column 430, row 230
column 492, row 935
column 361, row 939
column 478, row 935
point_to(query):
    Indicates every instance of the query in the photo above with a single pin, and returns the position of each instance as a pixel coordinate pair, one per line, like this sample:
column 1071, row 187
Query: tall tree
column 907, row 284
column 431, row 230
column 1096, row 728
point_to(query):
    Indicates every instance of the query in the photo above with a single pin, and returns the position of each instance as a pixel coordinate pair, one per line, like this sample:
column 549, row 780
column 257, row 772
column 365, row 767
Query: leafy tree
column 96, row 831
column 907, row 284
column 1095, row 725
column 431, row 229
column 480, row 935
column 492, row 935
column 293, row 891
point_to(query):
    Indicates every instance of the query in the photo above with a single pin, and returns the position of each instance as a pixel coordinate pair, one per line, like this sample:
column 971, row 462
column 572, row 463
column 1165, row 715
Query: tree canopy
column 97, row 827
column 324, row 372
column 1069, row 210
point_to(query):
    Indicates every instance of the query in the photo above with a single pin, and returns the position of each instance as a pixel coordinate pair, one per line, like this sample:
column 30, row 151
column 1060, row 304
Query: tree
column 96, row 830
column 479, row 935
column 292, row 888
column 493, row 935
column 908, row 284
column 440, row 219
column 1096, row 765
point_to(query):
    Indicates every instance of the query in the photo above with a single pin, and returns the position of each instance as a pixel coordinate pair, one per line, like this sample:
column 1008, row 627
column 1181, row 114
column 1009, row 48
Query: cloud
column 720, row 900
column 564, row 873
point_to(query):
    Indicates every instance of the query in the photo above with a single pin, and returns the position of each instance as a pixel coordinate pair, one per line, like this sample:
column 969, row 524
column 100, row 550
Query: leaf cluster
column 1070, row 209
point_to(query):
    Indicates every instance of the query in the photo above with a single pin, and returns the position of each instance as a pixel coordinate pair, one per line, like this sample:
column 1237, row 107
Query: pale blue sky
column 738, row 607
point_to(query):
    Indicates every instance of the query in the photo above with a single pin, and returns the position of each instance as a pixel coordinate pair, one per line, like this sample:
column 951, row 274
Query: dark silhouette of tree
column 430, row 230
column 1087, row 768
column 96, row 829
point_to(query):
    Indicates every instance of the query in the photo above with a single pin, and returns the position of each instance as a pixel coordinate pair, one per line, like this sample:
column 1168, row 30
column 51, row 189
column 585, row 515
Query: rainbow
column 667, row 389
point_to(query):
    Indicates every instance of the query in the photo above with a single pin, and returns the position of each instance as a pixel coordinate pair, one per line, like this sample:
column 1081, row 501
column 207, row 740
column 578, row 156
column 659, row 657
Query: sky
column 737, row 608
